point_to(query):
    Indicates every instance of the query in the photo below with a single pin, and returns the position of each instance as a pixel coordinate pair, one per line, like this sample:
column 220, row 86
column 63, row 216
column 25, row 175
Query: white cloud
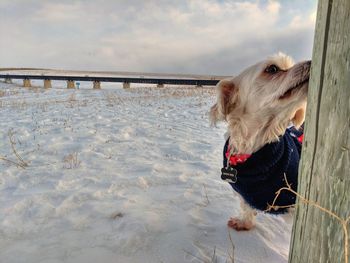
column 197, row 36
column 273, row 6
column 58, row 12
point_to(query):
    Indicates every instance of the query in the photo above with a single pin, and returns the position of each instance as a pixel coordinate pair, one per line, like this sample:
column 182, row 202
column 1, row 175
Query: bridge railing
column 98, row 79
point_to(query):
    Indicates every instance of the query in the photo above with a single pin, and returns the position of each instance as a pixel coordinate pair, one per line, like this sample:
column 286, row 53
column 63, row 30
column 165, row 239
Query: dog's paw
column 240, row 224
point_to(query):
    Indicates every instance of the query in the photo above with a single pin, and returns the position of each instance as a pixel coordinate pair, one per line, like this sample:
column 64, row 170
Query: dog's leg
column 246, row 220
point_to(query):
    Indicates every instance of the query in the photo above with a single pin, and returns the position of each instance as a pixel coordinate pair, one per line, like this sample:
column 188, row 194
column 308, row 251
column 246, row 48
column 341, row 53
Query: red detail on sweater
column 237, row 158
column 300, row 138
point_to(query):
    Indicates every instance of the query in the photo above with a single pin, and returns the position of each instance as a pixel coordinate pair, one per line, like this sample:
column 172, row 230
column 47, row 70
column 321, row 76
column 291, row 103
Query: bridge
column 96, row 77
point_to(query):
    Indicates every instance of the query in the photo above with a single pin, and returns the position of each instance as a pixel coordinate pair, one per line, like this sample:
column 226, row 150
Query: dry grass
column 23, row 104
column 146, row 95
column 43, row 106
column 19, row 162
column 343, row 221
column 14, row 104
column 11, row 103
column 214, row 258
column 112, row 99
column 71, row 161
column 206, row 201
column 116, row 215
column 7, row 92
column 72, row 100
column 175, row 92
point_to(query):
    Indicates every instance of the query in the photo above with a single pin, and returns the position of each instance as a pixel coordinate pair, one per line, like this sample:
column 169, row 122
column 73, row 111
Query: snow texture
column 119, row 175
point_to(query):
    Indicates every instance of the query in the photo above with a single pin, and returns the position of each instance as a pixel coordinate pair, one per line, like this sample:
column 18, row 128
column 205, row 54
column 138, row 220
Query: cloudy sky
column 193, row 36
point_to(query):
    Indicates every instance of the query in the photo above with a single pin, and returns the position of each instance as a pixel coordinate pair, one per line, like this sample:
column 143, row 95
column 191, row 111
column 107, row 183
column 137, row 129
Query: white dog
column 259, row 105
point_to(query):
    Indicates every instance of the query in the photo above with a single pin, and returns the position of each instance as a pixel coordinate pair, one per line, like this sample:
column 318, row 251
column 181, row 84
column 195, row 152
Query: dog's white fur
column 258, row 110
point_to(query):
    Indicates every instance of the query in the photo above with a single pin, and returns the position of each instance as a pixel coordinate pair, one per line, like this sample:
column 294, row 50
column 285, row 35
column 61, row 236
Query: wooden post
column 97, row 85
column 70, row 84
column 26, row 83
column 126, row 85
column 47, row 84
column 324, row 175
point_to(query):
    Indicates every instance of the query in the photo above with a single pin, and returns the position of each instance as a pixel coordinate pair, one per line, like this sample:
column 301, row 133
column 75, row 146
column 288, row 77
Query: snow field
column 120, row 176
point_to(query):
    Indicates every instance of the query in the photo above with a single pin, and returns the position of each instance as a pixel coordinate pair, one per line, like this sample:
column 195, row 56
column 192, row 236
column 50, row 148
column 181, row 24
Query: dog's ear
column 226, row 91
column 299, row 117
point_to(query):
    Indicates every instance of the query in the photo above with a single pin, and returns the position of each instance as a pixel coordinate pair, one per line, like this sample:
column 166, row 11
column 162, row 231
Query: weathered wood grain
column 325, row 165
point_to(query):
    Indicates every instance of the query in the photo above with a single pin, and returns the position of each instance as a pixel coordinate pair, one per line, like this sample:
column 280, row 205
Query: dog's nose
column 307, row 65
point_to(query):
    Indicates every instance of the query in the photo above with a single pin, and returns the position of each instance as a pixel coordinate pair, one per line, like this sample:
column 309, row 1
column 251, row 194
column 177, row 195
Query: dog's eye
column 272, row 69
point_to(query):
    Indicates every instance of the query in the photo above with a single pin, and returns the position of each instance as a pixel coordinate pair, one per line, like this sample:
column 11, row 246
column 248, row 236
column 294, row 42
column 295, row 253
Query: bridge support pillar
column 126, row 85
column 47, row 84
column 97, row 85
column 160, row 85
column 26, row 83
column 70, row 84
column 8, row 80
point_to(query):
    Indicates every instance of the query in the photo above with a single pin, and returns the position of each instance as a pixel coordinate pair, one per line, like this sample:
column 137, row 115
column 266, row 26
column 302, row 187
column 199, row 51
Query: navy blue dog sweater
column 262, row 174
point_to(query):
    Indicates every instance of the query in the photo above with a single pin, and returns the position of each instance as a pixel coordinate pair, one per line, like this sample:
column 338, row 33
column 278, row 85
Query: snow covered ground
column 119, row 175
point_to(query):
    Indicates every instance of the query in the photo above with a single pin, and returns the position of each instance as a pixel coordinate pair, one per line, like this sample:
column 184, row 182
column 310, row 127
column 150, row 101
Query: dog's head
column 262, row 101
